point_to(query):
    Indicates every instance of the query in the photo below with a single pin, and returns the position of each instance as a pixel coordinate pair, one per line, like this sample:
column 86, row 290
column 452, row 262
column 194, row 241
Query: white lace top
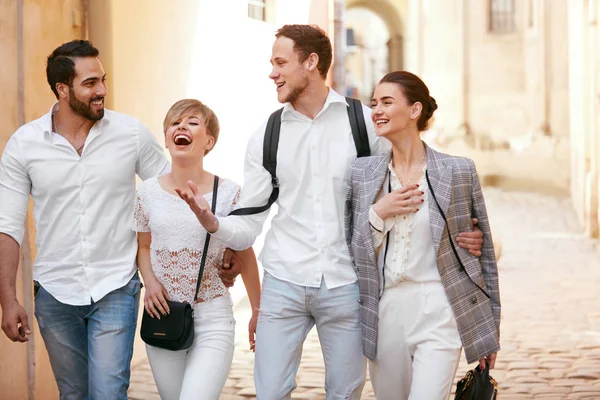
column 178, row 240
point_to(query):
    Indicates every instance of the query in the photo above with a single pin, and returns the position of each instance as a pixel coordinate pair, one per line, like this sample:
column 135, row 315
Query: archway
column 391, row 13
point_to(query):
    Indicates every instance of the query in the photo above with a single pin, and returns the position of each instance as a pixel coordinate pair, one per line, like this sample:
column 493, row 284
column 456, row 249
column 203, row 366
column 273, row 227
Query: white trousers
column 418, row 347
column 199, row 372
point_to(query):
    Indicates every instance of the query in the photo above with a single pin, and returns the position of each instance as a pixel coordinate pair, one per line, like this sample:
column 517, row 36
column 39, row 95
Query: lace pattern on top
column 178, row 240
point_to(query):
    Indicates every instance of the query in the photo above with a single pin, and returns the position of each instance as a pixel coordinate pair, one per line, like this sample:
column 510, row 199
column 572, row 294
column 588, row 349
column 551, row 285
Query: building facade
column 516, row 82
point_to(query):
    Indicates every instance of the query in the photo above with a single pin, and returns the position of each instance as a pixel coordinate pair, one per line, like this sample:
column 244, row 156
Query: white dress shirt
column 83, row 206
column 306, row 242
column 410, row 253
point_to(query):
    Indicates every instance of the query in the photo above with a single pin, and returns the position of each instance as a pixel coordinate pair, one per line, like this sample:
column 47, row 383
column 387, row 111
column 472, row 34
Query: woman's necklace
column 415, row 172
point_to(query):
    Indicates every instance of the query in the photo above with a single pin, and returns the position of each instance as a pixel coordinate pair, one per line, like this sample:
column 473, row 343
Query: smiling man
column 79, row 163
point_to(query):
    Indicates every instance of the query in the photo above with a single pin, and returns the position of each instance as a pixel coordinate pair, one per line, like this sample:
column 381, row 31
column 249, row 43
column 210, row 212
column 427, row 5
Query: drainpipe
column 339, row 47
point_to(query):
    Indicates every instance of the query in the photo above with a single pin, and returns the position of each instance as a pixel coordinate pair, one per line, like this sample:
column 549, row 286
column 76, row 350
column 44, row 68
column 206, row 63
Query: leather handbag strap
column 207, row 241
column 462, row 267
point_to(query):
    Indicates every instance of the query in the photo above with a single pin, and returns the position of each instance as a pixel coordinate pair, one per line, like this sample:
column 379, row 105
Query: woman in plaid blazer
column 420, row 305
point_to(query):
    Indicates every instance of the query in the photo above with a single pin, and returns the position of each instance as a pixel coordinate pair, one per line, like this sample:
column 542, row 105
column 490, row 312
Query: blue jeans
column 90, row 347
column 287, row 314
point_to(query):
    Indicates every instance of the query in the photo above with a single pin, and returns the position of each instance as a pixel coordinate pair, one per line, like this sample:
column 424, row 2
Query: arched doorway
column 367, row 55
column 391, row 14
column 374, row 44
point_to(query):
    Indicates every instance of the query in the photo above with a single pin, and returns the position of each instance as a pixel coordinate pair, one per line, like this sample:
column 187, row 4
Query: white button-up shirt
column 410, row 254
column 83, row 206
column 306, row 242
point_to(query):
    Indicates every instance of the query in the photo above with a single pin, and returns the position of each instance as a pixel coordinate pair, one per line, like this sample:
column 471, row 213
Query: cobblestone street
column 550, row 286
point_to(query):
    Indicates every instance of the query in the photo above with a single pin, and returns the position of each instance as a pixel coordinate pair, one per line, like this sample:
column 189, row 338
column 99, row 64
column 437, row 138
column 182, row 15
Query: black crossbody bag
column 175, row 331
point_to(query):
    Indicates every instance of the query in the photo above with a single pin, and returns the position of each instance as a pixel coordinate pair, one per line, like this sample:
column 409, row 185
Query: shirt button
column 313, row 148
column 402, row 237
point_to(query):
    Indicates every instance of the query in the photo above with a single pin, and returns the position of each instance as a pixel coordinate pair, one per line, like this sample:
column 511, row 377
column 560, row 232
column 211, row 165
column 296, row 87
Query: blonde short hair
column 193, row 108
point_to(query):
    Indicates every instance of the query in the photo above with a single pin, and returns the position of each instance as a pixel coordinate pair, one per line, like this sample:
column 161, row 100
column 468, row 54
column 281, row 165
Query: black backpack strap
column 270, row 145
column 359, row 129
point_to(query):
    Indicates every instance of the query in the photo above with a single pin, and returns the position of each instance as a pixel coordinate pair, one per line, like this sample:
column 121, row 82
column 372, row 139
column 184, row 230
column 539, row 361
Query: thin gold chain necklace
column 415, row 172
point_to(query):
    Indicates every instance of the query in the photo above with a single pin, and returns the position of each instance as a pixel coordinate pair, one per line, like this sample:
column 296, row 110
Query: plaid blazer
column 456, row 185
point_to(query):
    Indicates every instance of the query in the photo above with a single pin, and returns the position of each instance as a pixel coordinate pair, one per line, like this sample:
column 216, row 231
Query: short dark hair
column 60, row 67
column 309, row 39
column 415, row 90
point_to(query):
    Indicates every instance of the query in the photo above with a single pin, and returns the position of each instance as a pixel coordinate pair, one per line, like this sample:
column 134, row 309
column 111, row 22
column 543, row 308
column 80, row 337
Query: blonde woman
column 423, row 298
column 170, row 251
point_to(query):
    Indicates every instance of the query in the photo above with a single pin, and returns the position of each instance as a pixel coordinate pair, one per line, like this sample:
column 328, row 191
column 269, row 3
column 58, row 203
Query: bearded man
column 79, row 163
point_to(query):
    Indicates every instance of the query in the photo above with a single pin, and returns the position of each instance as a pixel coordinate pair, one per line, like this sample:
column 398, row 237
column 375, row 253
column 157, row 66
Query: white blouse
column 410, row 253
column 178, row 240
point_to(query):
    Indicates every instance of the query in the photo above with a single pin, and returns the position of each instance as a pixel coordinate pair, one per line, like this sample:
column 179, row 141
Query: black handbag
column 175, row 331
column 477, row 385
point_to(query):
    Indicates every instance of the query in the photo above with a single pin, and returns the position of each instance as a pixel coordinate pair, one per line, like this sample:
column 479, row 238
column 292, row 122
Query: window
column 502, row 16
column 256, row 9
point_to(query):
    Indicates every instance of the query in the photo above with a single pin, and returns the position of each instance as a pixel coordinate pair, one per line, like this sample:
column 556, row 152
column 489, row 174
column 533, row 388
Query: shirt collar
column 49, row 128
column 332, row 97
column 47, row 121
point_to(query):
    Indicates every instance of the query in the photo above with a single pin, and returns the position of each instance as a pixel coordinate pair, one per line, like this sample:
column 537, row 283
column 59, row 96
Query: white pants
column 418, row 347
column 199, row 372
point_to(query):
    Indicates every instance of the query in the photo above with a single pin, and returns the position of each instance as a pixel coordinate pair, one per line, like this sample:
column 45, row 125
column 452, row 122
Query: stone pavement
column 550, row 288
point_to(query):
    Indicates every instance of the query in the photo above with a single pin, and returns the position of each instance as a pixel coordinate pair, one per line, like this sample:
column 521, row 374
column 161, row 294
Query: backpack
column 271, row 142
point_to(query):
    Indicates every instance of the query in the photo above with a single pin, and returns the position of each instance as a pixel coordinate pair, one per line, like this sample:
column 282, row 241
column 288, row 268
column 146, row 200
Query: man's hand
column 471, row 241
column 231, row 267
column 199, row 206
column 14, row 322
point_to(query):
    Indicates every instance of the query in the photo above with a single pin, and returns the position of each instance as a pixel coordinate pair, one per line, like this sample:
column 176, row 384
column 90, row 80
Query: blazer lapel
column 378, row 175
column 440, row 177
column 374, row 177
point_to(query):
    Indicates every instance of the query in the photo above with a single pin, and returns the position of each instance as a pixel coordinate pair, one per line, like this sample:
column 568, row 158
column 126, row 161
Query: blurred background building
column 517, row 83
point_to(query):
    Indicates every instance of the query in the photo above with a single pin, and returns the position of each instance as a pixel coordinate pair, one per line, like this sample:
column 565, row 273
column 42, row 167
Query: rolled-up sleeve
column 15, row 187
column 240, row 231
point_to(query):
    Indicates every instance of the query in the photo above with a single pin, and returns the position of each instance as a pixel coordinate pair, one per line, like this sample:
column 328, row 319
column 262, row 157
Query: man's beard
column 83, row 109
column 296, row 91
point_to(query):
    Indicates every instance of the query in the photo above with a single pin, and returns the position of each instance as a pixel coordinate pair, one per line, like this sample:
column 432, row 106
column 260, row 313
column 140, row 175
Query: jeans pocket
column 36, row 290
column 133, row 286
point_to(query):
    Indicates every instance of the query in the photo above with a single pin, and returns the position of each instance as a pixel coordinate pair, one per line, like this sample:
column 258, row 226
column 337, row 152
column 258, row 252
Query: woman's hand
column 490, row 359
column 200, row 207
column 399, row 202
column 252, row 330
column 155, row 298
